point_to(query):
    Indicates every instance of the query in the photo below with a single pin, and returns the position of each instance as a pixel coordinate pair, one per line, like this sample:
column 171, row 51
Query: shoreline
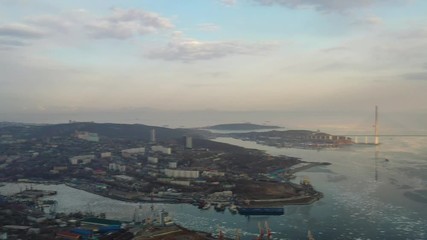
column 296, row 200
column 181, row 231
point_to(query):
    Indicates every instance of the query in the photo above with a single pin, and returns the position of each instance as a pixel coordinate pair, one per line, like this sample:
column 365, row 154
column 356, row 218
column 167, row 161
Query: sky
column 316, row 64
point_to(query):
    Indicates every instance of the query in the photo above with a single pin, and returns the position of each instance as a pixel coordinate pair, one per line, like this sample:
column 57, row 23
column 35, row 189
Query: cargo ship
column 261, row 211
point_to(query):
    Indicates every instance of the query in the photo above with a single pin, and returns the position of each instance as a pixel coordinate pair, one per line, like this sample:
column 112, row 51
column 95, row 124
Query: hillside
column 110, row 130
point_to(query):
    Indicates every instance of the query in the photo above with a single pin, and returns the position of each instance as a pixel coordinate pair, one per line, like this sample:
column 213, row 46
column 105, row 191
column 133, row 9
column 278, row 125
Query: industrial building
column 162, row 149
column 82, row 159
column 177, row 173
column 133, row 151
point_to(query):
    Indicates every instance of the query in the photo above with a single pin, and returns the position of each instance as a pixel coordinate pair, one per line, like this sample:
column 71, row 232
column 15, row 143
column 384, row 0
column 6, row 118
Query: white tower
column 153, row 135
column 377, row 140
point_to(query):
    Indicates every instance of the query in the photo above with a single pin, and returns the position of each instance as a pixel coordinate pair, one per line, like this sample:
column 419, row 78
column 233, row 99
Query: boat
column 232, row 208
column 261, row 211
column 206, row 206
column 220, row 207
column 201, row 204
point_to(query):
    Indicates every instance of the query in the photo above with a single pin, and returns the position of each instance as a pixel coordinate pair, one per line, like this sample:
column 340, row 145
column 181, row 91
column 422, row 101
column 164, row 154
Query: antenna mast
column 376, row 126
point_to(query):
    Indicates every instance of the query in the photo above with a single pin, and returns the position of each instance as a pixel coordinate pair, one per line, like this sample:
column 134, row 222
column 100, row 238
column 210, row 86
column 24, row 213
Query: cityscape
column 213, row 119
column 191, row 169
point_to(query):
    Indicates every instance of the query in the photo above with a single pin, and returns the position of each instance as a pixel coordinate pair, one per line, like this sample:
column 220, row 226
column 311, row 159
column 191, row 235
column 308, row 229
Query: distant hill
column 10, row 124
column 240, row 127
column 110, row 130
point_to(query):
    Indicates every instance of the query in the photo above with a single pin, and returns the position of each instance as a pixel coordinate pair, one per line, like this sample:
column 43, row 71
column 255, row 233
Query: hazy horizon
column 336, row 123
column 300, row 64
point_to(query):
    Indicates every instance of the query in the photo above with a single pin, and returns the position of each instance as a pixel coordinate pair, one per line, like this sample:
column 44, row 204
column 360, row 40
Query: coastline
column 139, row 197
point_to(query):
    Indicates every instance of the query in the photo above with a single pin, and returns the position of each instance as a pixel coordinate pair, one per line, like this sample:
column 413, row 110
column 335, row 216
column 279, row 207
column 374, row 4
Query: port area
column 22, row 220
column 174, row 232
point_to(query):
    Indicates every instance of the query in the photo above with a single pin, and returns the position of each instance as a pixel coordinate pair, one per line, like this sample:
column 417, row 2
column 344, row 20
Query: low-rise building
column 123, row 178
column 88, row 136
column 181, row 183
column 213, row 173
column 117, row 167
column 106, row 155
column 133, row 152
column 153, row 160
column 82, row 159
column 173, row 165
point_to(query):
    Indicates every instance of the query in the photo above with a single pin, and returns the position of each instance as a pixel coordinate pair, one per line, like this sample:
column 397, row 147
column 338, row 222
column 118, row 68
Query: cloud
column 74, row 26
column 53, row 23
column 10, row 43
column 19, row 30
column 323, row 5
column 415, row 76
column 372, row 20
column 188, row 50
column 208, row 27
column 335, row 49
column 229, row 2
column 123, row 24
column 419, row 33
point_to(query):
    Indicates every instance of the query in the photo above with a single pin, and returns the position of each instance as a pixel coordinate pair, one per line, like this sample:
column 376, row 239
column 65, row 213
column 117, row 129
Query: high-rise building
column 188, row 142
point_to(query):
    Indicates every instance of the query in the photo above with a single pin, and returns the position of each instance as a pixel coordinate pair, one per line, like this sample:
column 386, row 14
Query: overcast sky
column 307, row 63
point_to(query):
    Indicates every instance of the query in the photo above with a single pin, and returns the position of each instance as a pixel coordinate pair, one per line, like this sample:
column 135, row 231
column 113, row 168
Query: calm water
column 366, row 197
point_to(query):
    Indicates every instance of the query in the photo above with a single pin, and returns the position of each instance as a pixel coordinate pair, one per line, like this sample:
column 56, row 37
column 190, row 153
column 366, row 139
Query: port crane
column 261, row 232
column 267, row 228
column 310, row 235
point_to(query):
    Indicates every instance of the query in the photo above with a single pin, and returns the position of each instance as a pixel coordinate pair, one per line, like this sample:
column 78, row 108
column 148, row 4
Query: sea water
column 370, row 192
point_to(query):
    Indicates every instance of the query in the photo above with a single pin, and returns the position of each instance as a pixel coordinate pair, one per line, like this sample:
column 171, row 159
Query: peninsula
column 140, row 163
column 240, row 127
column 147, row 163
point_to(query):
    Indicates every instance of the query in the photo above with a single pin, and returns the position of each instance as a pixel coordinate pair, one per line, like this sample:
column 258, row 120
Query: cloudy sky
column 297, row 63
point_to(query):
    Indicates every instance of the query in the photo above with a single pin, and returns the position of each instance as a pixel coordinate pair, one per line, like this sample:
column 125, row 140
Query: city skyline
column 320, row 64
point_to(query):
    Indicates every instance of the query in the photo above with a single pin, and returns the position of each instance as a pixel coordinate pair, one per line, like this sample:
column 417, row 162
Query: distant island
column 240, row 127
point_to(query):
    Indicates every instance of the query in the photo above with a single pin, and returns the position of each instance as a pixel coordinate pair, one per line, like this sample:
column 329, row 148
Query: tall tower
column 153, row 135
column 377, row 140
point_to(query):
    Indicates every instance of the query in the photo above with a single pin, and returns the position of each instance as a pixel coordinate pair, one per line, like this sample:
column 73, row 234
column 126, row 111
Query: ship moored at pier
column 261, row 210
